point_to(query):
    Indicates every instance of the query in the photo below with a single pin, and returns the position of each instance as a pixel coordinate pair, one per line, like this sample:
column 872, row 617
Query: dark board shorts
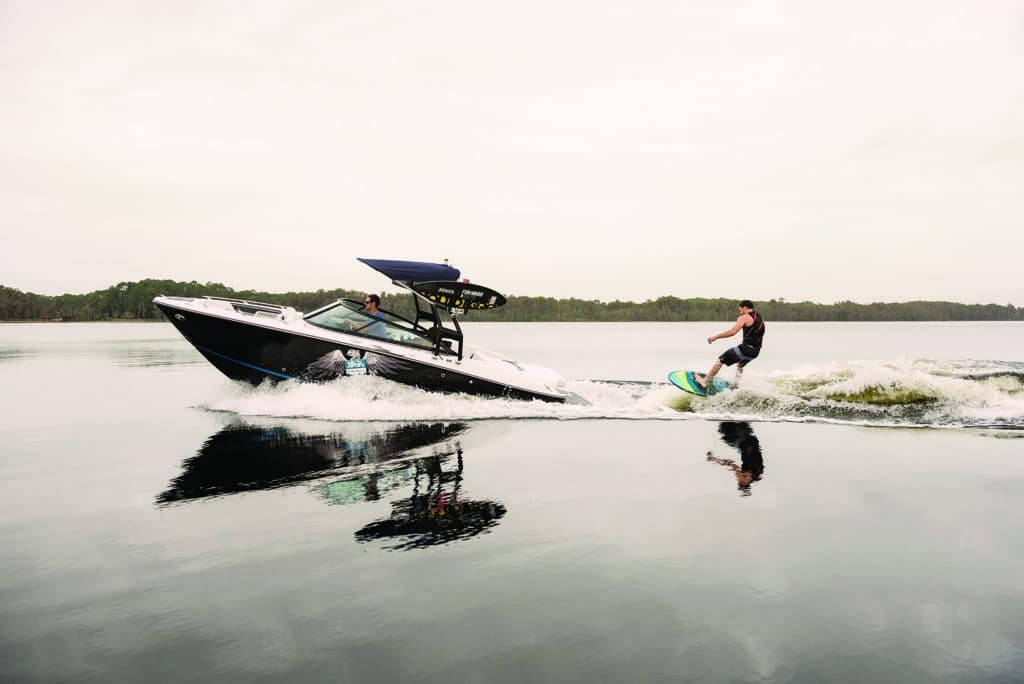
column 739, row 354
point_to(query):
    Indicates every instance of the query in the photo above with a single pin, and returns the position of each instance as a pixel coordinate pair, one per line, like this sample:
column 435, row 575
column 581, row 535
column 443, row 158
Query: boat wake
column 972, row 394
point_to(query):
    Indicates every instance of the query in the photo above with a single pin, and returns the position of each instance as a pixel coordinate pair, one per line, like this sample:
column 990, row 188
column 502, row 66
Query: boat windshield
column 348, row 316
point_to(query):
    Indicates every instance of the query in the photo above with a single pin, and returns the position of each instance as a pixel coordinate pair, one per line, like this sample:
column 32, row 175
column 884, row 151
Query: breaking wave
column 972, row 394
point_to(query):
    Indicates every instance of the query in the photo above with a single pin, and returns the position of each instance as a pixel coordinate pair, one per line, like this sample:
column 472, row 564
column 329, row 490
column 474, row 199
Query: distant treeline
column 134, row 301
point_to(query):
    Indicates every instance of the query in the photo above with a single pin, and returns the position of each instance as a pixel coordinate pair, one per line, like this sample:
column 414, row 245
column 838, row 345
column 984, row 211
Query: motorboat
column 255, row 341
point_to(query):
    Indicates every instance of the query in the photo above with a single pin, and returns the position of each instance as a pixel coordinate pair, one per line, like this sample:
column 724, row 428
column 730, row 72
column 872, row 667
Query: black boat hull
column 253, row 353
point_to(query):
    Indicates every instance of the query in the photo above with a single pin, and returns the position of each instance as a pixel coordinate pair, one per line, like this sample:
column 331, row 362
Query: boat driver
column 371, row 306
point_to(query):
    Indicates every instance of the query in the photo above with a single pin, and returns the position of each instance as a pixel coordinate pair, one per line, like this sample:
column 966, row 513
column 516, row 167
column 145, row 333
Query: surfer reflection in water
column 742, row 437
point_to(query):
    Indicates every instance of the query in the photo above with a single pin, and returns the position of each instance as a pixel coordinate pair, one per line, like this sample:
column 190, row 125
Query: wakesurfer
column 752, row 325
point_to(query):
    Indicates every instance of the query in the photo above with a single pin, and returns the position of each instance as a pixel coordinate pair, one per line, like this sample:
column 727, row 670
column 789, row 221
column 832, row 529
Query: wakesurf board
column 684, row 380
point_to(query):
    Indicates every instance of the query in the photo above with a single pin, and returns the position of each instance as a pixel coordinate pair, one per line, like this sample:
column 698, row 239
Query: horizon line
column 771, row 300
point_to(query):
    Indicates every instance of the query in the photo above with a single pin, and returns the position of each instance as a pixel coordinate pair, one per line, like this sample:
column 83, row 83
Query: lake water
column 851, row 513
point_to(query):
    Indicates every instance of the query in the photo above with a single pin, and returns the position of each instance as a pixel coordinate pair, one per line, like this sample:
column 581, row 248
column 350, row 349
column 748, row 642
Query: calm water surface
column 161, row 524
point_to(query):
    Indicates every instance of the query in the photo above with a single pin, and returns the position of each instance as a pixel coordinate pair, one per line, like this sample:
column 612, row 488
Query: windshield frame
column 392, row 322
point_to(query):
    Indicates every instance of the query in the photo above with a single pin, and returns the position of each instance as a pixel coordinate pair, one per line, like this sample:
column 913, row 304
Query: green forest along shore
column 134, row 301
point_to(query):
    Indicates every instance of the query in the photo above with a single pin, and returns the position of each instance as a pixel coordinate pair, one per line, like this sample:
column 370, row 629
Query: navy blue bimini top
column 412, row 271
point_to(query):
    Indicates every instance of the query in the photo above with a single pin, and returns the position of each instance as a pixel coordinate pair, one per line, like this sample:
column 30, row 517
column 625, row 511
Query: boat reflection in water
column 418, row 467
column 437, row 512
column 751, row 467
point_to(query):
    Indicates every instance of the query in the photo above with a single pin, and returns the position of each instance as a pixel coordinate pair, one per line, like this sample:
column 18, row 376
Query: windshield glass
column 350, row 317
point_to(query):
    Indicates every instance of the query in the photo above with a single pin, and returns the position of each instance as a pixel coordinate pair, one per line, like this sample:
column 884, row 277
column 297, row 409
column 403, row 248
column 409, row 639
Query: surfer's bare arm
column 727, row 462
column 720, row 461
column 740, row 322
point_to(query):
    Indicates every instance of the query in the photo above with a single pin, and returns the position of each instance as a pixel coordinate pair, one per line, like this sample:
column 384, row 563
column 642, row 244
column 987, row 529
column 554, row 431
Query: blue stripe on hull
column 247, row 365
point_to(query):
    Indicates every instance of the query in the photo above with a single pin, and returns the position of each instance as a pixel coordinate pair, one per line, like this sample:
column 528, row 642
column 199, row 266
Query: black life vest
column 753, row 334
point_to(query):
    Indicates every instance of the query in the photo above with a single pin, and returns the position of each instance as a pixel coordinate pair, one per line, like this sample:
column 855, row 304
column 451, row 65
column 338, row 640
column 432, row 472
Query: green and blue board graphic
column 684, row 380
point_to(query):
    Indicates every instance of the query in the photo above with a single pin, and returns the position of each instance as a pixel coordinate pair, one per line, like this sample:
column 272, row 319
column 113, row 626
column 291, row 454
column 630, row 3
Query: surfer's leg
column 739, row 376
column 705, row 380
column 730, row 357
column 744, row 360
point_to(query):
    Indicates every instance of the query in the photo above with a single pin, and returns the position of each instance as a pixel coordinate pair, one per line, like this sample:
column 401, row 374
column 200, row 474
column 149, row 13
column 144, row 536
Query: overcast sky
column 806, row 150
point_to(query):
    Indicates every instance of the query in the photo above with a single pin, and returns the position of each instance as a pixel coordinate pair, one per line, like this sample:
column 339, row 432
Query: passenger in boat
column 377, row 328
column 752, row 325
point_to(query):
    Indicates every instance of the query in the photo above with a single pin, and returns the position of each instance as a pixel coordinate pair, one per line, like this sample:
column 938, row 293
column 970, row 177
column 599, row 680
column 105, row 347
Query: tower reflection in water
column 740, row 436
column 418, row 467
